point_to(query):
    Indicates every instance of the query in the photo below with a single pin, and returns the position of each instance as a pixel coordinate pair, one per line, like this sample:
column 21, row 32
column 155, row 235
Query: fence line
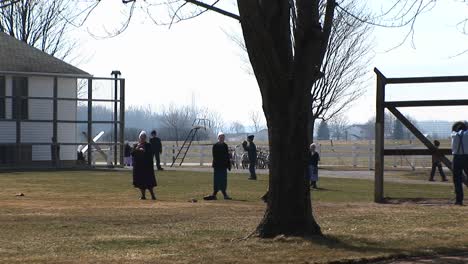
column 357, row 155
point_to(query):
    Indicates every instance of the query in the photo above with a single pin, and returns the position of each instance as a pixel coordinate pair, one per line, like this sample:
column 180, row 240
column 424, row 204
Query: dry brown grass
column 94, row 217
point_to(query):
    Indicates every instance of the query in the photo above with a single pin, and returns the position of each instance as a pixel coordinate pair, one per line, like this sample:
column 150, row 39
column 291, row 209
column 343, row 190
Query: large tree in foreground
column 286, row 42
column 286, row 45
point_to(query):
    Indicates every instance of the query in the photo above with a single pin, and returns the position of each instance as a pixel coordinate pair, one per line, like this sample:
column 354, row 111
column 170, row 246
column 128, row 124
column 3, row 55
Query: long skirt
column 313, row 173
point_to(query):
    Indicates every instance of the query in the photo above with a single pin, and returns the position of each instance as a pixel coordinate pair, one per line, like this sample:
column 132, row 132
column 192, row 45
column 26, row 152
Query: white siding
column 67, row 89
column 67, row 134
column 38, row 133
column 41, row 87
column 43, row 110
column 67, row 111
column 7, row 132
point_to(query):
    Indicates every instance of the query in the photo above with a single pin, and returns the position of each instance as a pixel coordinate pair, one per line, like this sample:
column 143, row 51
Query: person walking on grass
column 251, row 149
column 156, row 147
column 143, row 168
column 221, row 164
column 460, row 158
column 436, row 163
column 314, row 158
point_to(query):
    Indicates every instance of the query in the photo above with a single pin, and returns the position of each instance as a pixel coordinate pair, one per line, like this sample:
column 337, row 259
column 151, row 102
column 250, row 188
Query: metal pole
column 90, row 119
column 122, row 120
column 379, row 138
column 116, row 84
column 54, row 121
column 17, row 107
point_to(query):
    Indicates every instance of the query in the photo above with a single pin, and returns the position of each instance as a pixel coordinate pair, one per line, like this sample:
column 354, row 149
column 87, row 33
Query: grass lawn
column 96, row 217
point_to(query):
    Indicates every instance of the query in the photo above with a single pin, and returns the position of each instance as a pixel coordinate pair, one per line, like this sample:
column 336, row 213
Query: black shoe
column 444, row 180
column 431, row 179
column 209, row 198
column 142, row 198
column 459, row 203
column 227, row 197
column 160, row 169
column 153, row 198
column 252, row 178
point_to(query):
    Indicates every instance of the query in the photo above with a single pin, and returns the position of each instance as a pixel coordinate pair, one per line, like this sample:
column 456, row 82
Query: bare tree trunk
column 285, row 79
column 289, row 209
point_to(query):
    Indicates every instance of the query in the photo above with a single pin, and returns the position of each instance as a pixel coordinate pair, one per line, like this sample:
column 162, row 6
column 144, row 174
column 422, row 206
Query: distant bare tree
column 177, row 118
column 6, row 3
column 42, row 24
column 237, row 127
column 344, row 67
column 338, row 126
column 256, row 118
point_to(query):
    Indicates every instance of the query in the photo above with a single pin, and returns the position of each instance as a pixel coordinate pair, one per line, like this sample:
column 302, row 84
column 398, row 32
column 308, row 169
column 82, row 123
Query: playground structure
column 198, row 123
column 382, row 104
column 107, row 156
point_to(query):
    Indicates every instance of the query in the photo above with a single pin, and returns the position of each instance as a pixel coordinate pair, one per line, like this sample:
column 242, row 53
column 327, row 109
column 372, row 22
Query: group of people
column 460, row 159
column 156, row 149
column 144, row 178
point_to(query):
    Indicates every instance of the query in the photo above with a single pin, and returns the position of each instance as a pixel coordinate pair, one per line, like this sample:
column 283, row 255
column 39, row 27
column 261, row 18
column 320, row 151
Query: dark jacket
column 313, row 159
column 143, row 168
column 221, row 156
column 251, row 149
column 127, row 150
column 156, row 145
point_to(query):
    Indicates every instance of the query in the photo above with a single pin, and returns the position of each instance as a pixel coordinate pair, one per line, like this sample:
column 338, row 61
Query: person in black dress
column 143, row 169
column 156, row 147
column 221, row 163
column 314, row 158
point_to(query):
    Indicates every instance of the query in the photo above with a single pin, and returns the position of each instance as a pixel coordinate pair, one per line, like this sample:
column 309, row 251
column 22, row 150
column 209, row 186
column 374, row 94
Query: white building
column 26, row 121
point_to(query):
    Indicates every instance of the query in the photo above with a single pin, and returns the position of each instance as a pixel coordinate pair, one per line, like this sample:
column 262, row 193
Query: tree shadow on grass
column 419, row 201
column 323, row 189
column 441, row 255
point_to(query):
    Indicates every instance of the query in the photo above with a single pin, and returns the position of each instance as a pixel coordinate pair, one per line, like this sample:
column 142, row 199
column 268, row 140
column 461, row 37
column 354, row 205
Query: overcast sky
column 196, row 59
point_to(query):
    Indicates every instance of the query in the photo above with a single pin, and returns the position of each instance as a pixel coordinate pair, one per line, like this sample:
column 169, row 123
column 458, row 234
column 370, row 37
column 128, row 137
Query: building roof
column 17, row 56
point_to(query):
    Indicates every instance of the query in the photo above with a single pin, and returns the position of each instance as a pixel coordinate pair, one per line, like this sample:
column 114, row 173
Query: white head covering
column 142, row 133
column 220, row 134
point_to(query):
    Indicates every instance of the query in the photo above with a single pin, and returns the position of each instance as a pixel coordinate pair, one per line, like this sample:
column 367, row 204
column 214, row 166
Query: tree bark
column 289, row 208
column 285, row 81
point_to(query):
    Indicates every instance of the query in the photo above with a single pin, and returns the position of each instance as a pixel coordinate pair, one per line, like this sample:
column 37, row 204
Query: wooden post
column 173, row 153
column 371, row 155
column 165, row 155
column 379, row 138
column 122, row 120
column 202, row 155
column 354, row 154
column 90, row 119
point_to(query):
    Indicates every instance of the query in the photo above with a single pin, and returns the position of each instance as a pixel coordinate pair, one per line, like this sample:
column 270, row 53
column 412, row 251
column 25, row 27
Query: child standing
column 436, row 163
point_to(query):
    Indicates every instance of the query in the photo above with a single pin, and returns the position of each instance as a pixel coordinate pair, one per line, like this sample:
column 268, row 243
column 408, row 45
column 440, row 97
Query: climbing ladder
column 198, row 123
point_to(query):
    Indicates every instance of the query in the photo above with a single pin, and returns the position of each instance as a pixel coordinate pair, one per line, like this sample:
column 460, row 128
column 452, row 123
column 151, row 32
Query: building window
column 2, row 99
column 20, row 88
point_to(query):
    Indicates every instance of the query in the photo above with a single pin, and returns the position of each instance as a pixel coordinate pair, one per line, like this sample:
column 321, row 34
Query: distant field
column 96, row 217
